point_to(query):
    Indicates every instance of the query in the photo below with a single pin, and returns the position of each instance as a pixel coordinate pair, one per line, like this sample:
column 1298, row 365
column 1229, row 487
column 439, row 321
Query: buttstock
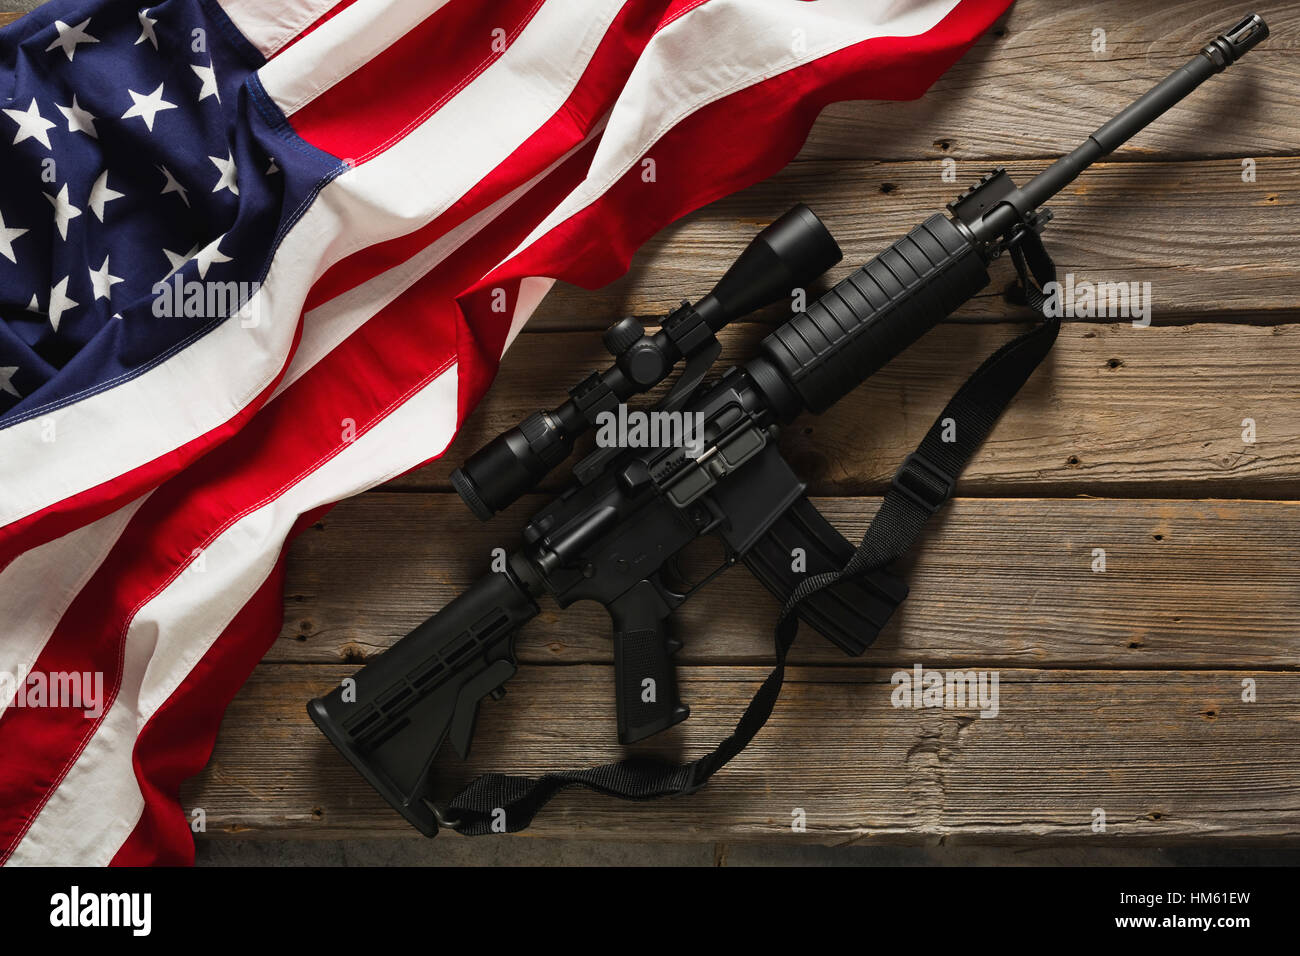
column 393, row 716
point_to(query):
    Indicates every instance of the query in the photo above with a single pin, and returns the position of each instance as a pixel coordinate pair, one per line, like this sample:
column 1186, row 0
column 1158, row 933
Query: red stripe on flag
column 177, row 740
column 94, row 503
column 596, row 245
column 591, row 99
column 411, row 80
column 185, row 727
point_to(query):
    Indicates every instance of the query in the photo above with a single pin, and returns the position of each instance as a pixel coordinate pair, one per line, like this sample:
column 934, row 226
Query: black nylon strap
column 920, row 487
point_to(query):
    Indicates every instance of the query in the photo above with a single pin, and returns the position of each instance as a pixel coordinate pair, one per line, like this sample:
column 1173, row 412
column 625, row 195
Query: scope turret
column 789, row 254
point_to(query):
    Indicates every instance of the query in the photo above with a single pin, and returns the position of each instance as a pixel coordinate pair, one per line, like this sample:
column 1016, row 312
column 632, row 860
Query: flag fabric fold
column 260, row 255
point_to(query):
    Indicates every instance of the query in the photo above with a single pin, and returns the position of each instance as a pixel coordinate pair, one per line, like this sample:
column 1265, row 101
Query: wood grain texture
column 1170, row 758
column 1188, row 584
column 1114, row 410
column 1118, row 691
column 1033, row 86
column 1211, row 245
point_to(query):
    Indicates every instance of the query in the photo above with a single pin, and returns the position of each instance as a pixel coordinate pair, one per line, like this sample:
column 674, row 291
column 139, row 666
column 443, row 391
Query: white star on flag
column 101, row 194
column 177, row 260
column 208, row 255
column 64, row 211
column 228, row 172
column 172, row 186
column 59, row 302
column 209, row 78
column 31, row 125
column 102, row 282
column 7, row 380
column 146, row 28
column 79, row 120
column 69, row 37
column 147, row 107
column 7, row 237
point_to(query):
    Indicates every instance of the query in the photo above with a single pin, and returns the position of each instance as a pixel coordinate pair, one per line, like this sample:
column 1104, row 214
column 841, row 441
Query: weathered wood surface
column 1114, row 410
column 1169, row 757
column 1188, row 584
column 1033, row 86
column 1119, row 691
column 1211, row 245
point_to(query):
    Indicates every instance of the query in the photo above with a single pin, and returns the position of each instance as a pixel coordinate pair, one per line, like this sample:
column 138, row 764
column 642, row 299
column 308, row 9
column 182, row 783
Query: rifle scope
column 790, row 253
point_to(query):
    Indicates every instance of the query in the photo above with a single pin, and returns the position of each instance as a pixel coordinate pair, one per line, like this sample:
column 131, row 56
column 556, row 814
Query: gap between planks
column 1002, row 582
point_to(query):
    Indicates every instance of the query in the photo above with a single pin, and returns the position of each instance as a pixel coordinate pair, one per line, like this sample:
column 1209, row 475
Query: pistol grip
column 644, row 676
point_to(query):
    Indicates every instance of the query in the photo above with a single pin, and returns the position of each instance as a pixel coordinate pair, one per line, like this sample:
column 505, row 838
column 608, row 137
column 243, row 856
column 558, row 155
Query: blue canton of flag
column 131, row 152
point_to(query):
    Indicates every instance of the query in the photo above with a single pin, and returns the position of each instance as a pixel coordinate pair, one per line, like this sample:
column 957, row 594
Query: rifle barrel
column 1217, row 56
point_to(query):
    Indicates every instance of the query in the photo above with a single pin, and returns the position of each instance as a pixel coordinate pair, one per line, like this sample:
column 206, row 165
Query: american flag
column 383, row 190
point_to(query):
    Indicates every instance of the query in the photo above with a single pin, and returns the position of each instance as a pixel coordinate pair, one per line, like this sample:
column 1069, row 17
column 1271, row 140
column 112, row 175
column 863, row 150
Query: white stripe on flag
column 329, row 324
column 38, row 586
column 96, row 806
column 270, row 24
column 680, row 72
column 340, row 46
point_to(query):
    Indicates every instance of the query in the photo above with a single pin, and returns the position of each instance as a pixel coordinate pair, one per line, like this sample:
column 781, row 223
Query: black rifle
column 615, row 532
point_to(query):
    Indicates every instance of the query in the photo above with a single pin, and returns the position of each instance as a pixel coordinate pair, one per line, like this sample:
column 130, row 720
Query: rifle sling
column 920, row 487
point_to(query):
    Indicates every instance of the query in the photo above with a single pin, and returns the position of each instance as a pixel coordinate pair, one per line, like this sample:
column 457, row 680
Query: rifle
column 614, row 534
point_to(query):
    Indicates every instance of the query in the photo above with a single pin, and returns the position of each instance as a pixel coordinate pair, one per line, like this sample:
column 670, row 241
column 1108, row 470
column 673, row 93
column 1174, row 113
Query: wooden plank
column 1188, row 584
column 1033, row 86
column 1169, row 757
column 1209, row 244
column 1114, row 410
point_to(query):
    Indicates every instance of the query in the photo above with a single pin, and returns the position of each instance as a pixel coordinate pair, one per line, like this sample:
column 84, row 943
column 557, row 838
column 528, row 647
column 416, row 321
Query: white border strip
column 270, row 24
column 339, row 47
